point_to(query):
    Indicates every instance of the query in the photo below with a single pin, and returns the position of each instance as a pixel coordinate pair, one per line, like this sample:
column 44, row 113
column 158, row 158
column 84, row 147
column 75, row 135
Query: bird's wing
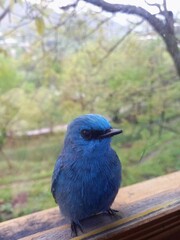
column 56, row 172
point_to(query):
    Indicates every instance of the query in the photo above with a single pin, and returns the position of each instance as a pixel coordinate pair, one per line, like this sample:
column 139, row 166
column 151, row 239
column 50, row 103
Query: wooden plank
column 144, row 204
column 139, row 226
column 133, row 227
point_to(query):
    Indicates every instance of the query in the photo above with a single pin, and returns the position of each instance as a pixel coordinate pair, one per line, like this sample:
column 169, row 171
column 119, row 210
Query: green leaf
column 40, row 26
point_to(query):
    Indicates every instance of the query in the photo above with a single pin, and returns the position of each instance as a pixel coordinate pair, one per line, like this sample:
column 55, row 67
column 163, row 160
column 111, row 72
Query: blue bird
column 87, row 174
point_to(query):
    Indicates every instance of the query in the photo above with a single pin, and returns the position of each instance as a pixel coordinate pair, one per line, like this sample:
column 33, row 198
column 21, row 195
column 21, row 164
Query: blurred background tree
column 59, row 62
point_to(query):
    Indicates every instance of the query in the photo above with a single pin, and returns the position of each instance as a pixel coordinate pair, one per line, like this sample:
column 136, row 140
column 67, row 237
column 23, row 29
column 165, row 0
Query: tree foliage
column 163, row 22
column 65, row 66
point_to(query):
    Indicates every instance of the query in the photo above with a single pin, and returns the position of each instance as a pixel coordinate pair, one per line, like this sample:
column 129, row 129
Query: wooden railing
column 147, row 210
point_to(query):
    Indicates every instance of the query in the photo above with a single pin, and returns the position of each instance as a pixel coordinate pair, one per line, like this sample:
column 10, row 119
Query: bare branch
column 164, row 28
column 110, row 51
column 154, row 5
column 4, row 13
column 165, row 5
column 97, row 27
column 169, row 128
column 120, row 41
column 156, row 23
column 73, row 5
column 21, row 24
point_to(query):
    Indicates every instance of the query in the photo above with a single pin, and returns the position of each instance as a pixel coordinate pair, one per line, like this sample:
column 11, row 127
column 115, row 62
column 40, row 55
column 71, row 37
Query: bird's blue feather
column 87, row 174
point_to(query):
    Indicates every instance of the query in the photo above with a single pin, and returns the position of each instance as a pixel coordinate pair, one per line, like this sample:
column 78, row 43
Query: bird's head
column 90, row 131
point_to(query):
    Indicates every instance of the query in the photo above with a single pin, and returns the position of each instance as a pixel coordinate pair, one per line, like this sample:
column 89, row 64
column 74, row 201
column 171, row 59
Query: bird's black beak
column 110, row 133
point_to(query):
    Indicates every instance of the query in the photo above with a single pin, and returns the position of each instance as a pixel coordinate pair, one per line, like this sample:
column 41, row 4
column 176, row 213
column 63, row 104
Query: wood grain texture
column 148, row 210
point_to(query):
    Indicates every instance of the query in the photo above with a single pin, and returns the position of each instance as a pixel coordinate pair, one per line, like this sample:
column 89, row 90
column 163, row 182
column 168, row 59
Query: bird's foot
column 115, row 213
column 74, row 228
column 112, row 212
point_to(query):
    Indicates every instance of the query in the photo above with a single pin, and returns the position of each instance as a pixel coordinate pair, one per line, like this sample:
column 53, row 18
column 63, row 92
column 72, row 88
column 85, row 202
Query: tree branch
column 165, row 27
column 4, row 13
column 165, row 5
column 119, row 41
column 73, row 5
column 98, row 26
column 156, row 23
column 154, row 5
column 113, row 47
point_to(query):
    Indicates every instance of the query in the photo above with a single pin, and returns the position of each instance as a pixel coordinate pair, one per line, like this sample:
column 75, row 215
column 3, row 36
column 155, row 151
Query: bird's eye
column 86, row 134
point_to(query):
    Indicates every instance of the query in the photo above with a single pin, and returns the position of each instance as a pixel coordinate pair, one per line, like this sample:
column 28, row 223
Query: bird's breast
column 89, row 185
